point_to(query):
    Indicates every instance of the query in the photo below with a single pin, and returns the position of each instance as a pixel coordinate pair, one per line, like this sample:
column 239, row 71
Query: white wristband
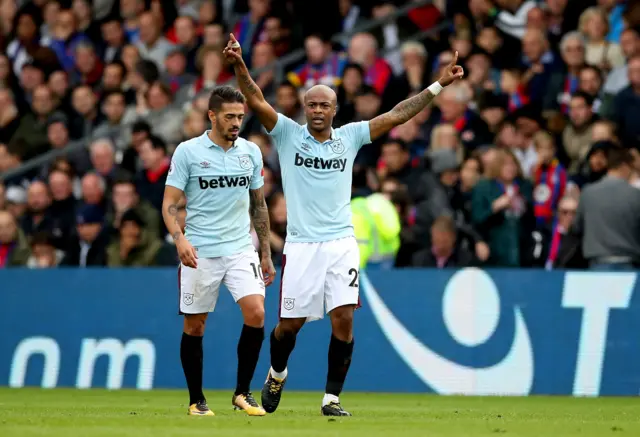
column 435, row 88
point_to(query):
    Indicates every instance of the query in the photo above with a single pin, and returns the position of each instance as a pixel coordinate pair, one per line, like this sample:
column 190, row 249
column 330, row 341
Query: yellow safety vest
column 377, row 228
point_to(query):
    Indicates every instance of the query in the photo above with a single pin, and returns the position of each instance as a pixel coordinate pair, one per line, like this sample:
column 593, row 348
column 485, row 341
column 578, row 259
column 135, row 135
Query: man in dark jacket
column 90, row 242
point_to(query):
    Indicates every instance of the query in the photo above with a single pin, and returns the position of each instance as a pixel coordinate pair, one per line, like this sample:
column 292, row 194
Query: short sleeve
column 178, row 175
column 257, row 181
column 284, row 128
column 358, row 133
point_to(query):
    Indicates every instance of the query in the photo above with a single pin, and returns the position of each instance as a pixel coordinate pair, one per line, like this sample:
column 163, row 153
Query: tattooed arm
column 171, row 204
column 400, row 114
column 260, row 219
column 255, row 99
column 409, row 108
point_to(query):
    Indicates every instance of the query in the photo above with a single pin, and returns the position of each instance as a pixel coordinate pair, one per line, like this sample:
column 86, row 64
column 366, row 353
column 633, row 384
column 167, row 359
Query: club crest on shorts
column 337, row 146
column 288, row 303
column 245, row 162
column 187, row 299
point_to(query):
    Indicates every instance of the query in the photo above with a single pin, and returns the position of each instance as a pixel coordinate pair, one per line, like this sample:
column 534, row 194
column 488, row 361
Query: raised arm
column 409, row 108
column 255, row 99
column 260, row 219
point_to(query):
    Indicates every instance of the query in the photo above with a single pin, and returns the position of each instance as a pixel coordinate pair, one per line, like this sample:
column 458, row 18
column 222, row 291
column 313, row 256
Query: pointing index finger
column 455, row 59
column 233, row 38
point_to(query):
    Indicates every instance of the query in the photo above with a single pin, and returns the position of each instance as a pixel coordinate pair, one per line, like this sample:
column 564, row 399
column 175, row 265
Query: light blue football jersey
column 317, row 178
column 216, row 184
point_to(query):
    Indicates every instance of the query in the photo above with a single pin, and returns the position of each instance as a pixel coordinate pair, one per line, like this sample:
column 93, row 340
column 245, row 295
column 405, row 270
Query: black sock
column 191, row 357
column 280, row 350
column 339, row 361
column 249, row 347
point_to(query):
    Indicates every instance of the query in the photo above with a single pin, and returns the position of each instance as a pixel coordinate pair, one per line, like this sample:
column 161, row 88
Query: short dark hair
column 140, row 126
column 42, row 238
column 584, row 96
column 157, row 143
column 224, row 94
column 124, row 178
column 619, row 156
column 114, row 92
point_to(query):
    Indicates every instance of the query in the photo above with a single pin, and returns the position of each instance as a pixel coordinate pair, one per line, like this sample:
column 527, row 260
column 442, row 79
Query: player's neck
column 218, row 140
column 321, row 136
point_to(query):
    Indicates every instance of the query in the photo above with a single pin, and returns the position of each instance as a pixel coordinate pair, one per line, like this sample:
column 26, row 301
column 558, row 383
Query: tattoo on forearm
column 247, row 83
column 407, row 109
column 260, row 218
column 173, row 211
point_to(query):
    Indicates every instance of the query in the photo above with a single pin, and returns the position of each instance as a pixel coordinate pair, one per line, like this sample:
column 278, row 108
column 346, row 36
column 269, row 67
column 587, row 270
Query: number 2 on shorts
column 354, row 281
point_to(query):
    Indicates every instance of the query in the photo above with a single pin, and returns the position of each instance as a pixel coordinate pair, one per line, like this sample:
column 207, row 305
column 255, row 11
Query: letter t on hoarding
column 596, row 294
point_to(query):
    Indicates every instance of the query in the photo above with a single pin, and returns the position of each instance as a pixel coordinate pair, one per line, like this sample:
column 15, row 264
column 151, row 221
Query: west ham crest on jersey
column 337, row 146
column 245, row 162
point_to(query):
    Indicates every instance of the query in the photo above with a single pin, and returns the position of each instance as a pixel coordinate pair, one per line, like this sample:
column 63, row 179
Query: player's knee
column 342, row 321
column 290, row 327
column 194, row 326
column 254, row 316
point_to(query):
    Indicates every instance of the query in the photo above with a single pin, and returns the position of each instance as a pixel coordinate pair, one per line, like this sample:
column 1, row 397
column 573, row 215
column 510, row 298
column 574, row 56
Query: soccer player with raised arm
column 321, row 259
column 220, row 175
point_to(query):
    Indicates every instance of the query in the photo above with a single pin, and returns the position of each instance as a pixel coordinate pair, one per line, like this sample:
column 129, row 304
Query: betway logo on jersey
column 321, row 163
column 225, row 182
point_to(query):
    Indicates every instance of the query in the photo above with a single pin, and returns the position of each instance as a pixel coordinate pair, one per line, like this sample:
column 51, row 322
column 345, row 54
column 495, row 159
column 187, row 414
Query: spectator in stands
column 502, row 211
column 577, row 135
column 560, row 244
column 16, row 200
column 263, row 55
column 608, row 217
column 626, row 107
column 444, row 252
column 323, row 66
column 161, row 114
column 88, row 116
column 249, row 30
column 188, row 39
column 88, row 68
column 26, row 43
column 43, row 252
column 151, row 180
column 176, row 75
column 137, row 247
column 14, row 249
column 131, row 162
column 594, row 25
column 36, row 218
column 2, row 198
column 103, row 160
column 33, row 126
column 65, row 38
column 9, row 115
column 94, row 191
column 591, row 83
column 152, row 46
column 124, row 198
column 618, row 78
column 114, row 37
column 88, row 245
column 363, row 50
column 118, row 119
column 564, row 84
column 549, row 180
column 288, row 103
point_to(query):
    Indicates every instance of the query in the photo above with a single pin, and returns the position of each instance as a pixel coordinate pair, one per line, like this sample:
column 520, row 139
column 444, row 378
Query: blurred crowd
column 500, row 171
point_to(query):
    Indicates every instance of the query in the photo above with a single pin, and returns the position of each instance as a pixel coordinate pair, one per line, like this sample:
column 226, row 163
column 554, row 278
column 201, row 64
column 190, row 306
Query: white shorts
column 318, row 277
column 200, row 287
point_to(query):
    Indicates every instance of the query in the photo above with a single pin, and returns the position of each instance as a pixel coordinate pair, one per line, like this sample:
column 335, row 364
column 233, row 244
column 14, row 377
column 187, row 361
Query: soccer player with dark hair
column 220, row 175
column 321, row 257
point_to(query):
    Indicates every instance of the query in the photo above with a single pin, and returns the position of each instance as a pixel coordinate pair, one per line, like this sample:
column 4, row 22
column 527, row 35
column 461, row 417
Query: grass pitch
column 98, row 413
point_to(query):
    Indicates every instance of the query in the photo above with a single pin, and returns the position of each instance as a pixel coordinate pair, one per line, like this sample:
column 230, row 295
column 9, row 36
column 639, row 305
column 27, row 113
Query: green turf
column 96, row 413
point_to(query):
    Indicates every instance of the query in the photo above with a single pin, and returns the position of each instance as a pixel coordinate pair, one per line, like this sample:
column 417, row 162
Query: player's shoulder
column 249, row 148
column 188, row 146
column 351, row 128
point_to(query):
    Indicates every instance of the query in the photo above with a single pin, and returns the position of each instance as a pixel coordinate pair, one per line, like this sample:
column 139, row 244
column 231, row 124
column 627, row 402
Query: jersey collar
column 211, row 144
column 307, row 134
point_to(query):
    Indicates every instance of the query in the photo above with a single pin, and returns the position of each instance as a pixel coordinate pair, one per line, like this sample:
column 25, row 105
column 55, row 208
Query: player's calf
column 191, row 356
column 249, row 346
column 339, row 360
